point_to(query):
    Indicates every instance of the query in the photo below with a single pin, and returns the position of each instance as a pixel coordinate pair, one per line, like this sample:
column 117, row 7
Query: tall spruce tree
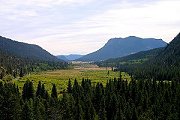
column 28, row 90
column 27, row 112
column 69, row 88
column 39, row 89
column 54, row 92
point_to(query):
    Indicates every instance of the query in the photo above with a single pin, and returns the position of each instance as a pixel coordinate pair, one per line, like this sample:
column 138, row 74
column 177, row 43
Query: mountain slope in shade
column 137, row 58
column 171, row 54
column 164, row 66
column 119, row 47
column 25, row 50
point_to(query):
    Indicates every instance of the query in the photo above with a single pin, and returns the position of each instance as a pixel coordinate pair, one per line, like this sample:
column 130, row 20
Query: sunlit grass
column 61, row 77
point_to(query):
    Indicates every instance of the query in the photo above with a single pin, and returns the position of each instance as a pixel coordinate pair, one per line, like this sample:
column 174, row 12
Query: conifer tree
column 21, row 74
column 27, row 112
column 89, row 109
column 54, row 92
column 39, row 89
column 28, row 90
column 78, row 111
column 69, row 88
column 102, row 110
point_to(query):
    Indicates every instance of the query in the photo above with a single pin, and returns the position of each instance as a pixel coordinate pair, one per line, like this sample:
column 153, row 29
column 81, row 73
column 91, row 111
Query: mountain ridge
column 163, row 66
column 119, row 47
column 25, row 50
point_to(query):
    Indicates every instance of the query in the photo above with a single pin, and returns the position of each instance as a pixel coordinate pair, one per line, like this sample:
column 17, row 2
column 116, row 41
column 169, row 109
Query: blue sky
column 83, row 26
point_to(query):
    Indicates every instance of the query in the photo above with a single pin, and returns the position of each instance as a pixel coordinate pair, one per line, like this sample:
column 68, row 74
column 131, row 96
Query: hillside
column 18, row 59
column 164, row 66
column 25, row 50
column 119, row 47
column 137, row 58
column 171, row 54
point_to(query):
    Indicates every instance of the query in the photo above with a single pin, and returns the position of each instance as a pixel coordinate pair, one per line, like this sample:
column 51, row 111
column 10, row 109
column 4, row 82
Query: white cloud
column 82, row 26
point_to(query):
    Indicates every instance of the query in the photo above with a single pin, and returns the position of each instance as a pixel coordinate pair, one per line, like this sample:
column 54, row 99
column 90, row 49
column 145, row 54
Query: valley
column 136, row 85
column 89, row 60
column 60, row 77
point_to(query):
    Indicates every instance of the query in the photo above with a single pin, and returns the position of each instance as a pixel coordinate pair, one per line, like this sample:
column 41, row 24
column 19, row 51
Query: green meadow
column 61, row 77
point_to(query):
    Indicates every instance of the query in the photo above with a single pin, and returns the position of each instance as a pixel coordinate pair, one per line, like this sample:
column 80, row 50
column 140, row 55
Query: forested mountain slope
column 25, row 50
column 18, row 58
column 137, row 58
column 171, row 54
column 164, row 66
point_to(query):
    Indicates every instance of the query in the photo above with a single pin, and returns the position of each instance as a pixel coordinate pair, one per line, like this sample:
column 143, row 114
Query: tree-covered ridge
column 165, row 66
column 137, row 58
column 17, row 66
column 14, row 62
column 171, row 54
column 25, row 50
column 118, row 100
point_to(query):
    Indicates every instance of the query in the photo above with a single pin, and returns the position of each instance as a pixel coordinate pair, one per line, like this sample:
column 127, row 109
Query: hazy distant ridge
column 119, row 47
column 70, row 57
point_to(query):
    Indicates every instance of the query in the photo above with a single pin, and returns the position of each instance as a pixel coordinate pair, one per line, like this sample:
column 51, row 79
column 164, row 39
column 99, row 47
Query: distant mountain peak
column 132, row 37
column 119, row 47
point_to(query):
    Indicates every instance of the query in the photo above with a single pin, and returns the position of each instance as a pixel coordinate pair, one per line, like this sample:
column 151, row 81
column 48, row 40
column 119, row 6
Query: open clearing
column 61, row 77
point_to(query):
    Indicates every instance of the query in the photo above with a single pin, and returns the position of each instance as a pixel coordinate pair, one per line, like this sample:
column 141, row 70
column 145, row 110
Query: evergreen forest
column 118, row 100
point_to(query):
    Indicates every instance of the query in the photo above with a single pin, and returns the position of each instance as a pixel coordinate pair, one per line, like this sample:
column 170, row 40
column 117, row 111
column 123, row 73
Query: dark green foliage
column 18, row 66
column 102, row 110
column 39, row 109
column 119, row 100
column 54, row 92
column 68, row 107
column 133, row 59
column 28, row 91
column 39, row 89
column 27, row 111
column 78, row 112
column 69, row 88
column 9, row 102
column 21, row 74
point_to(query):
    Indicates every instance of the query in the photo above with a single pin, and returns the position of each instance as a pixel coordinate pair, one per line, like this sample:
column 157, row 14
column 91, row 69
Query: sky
column 83, row 26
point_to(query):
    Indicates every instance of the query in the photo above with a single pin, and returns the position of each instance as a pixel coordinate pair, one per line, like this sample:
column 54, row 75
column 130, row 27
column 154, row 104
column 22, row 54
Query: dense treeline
column 17, row 66
column 118, row 100
column 133, row 59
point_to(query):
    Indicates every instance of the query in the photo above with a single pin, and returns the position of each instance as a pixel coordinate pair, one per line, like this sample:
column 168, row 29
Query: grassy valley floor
column 61, row 77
